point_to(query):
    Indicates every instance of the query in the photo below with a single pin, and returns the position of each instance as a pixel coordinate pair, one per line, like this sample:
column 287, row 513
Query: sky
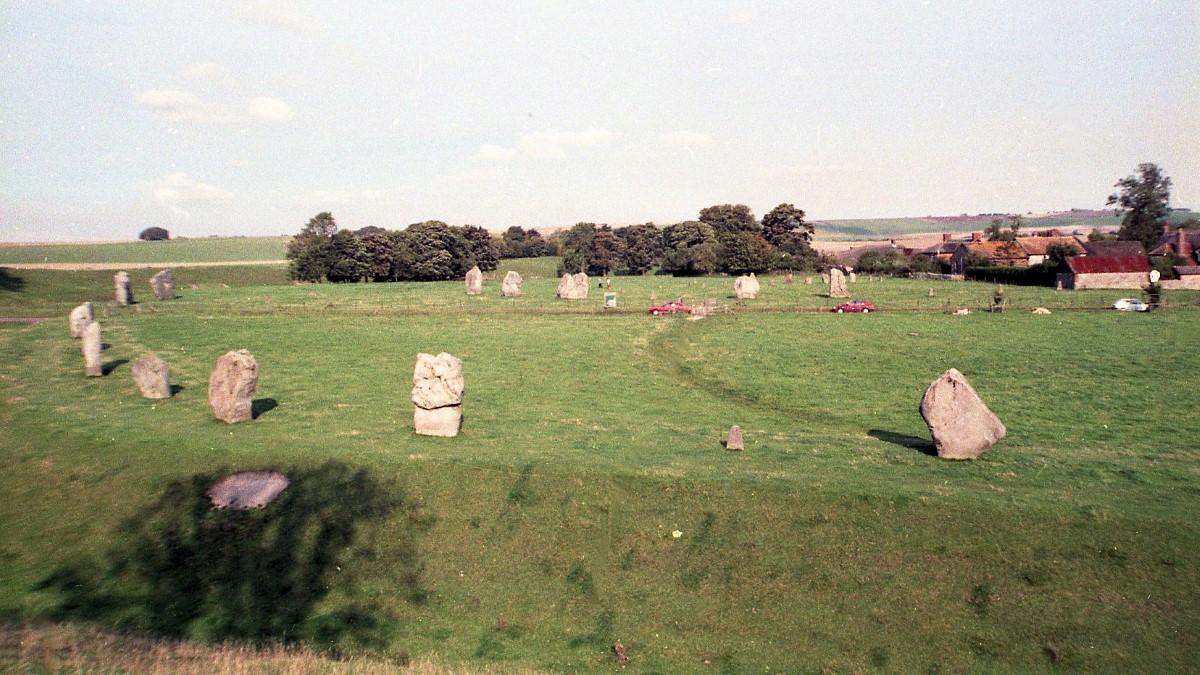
column 248, row 117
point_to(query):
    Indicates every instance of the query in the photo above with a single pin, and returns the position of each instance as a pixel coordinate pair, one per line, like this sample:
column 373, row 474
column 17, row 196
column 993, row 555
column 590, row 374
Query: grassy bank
column 222, row 249
column 589, row 501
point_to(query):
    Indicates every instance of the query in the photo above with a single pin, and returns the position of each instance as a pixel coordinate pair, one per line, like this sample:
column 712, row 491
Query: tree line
column 726, row 238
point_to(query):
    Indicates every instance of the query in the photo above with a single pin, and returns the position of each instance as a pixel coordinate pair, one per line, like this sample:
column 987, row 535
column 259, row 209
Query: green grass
column 543, row 534
column 216, row 249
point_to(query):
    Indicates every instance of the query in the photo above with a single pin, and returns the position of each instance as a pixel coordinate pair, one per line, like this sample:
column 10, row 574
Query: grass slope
column 589, row 502
column 216, row 249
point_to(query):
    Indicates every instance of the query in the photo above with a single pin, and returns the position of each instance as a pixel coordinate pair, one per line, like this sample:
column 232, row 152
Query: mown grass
column 216, row 249
column 545, row 533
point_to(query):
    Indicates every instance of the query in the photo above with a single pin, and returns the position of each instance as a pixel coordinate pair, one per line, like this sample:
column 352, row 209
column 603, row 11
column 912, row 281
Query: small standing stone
column 808, row 281
column 152, row 376
column 788, row 279
column 121, row 291
column 573, row 286
column 746, row 287
column 511, row 286
column 837, row 283
column 961, row 424
column 91, row 350
column 80, row 317
column 734, row 441
column 163, row 285
column 931, row 293
column 474, row 281
column 437, row 395
column 231, row 386
column 853, row 278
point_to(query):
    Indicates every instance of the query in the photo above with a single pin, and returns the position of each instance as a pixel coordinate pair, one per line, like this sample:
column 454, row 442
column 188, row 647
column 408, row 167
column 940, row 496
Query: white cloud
column 279, row 13
column 553, row 144
column 183, row 106
column 686, row 139
column 270, row 109
column 496, row 153
column 179, row 188
column 744, row 15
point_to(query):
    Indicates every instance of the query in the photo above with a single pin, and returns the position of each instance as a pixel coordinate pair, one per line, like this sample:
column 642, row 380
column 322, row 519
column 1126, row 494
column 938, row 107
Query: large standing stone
column 573, row 286
column 152, row 376
column 474, row 281
column 837, row 283
column 121, row 291
column 746, row 287
column 91, row 349
column 163, row 285
column 734, row 441
column 437, row 395
column 960, row 423
column 231, row 386
column 80, row 317
column 511, row 286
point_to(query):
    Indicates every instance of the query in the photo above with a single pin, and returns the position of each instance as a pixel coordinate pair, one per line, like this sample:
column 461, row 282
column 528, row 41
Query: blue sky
column 244, row 117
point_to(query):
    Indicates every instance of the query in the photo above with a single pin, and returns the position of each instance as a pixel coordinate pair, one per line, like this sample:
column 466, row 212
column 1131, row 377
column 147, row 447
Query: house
column 1189, row 278
column 1105, row 272
column 1038, row 248
column 1000, row 253
column 1182, row 243
column 943, row 251
column 1114, row 249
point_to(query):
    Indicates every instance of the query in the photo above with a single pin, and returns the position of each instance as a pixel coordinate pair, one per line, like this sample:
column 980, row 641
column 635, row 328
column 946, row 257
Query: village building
column 1105, row 272
column 1183, row 244
column 1189, row 278
column 1114, row 249
column 1000, row 253
column 1038, row 248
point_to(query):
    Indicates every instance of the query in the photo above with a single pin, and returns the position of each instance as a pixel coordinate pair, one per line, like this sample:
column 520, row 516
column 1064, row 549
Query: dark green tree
column 348, row 259
column 574, row 246
column 784, row 223
column 606, row 253
column 1057, row 254
column 308, row 253
column 745, row 252
column 154, row 234
column 643, row 247
column 691, row 248
column 1143, row 199
column 998, row 232
column 381, row 255
column 729, row 219
column 483, row 247
column 432, row 251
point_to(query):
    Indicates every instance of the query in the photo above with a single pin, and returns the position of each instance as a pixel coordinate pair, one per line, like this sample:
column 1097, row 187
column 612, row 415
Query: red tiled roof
column 1107, row 265
column 1040, row 245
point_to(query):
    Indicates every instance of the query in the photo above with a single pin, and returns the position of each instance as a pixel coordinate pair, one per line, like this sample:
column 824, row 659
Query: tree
column 432, row 251
column 154, row 234
column 783, row 222
column 691, row 248
column 483, row 248
column 729, row 219
column 348, row 260
column 606, row 253
column 1057, row 254
column 381, row 255
column 643, row 247
column 575, row 247
column 996, row 231
column 745, row 252
column 1143, row 200
column 308, row 253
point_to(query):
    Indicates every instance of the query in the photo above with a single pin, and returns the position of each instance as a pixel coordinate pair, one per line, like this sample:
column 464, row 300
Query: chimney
column 976, row 236
column 1184, row 247
column 1166, row 228
column 946, row 236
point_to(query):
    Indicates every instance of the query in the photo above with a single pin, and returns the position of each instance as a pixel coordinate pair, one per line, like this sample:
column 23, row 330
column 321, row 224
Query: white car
column 1131, row 305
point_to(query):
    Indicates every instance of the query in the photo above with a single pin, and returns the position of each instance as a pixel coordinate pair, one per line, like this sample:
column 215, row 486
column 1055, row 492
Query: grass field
column 223, row 249
column 589, row 501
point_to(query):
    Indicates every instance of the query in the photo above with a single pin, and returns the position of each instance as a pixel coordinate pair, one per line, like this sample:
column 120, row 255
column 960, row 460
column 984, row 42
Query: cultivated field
column 588, row 500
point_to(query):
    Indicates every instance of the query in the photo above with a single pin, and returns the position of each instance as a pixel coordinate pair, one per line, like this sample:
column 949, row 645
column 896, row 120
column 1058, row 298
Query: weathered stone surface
column 80, row 317
column 152, row 376
column 808, row 281
column 837, row 283
column 437, row 395
column 231, row 386
column 121, row 291
column 931, row 293
column 474, row 281
column 247, row 490
column 573, row 286
column 734, row 440
column 163, row 285
column 746, row 287
column 853, row 278
column 962, row 311
column 91, row 349
column 1040, row 310
column 511, row 286
column 961, row 424
column 445, row 421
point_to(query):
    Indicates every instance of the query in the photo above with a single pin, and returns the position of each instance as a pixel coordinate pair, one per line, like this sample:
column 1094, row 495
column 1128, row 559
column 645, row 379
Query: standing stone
column 853, row 278
column 573, row 286
column 961, row 424
column 121, row 291
column 825, row 277
column 163, row 285
column 474, row 281
column 931, row 293
column 91, row 350
column 734, row 441
column 152, row 376
column 511, row 286
column 808, row 281
column 80, row 317
column 231, row 386
column 837, row 283
column 746, row 287
column 788, row 279
column 437, row 395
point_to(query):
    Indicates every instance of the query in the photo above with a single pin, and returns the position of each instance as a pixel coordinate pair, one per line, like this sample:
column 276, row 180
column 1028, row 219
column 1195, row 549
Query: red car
column 855, row 306
column 669, row 308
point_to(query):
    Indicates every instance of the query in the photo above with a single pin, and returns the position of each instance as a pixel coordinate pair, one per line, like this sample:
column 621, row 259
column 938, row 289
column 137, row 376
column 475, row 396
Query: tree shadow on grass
column 284, row 573
column 923, row 445
column 262, row 406
column 10, row 282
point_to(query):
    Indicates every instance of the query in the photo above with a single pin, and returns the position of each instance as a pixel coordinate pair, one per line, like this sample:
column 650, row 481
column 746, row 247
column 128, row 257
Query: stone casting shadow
column 923, row 445
column 10, row 282
column 262, row 406
column 113, row 365
column 176, row 388
column 180, row 568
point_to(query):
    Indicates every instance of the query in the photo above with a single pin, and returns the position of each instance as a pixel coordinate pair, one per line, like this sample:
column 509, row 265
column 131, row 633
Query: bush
column 154, row 234
column 1034, row 275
